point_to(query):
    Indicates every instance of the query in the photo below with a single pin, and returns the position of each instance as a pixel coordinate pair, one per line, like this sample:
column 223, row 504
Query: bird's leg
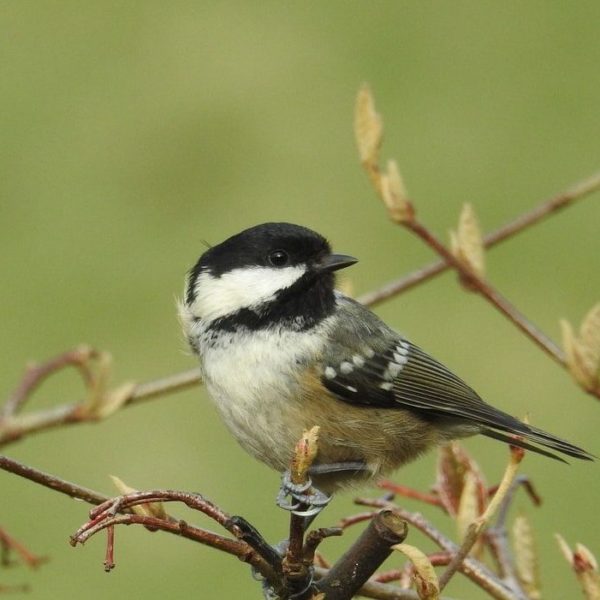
column 305, row 499
column 325, row 468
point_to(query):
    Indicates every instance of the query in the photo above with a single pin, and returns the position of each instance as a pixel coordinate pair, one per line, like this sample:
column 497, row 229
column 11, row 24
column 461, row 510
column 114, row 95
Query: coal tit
column 281, row 351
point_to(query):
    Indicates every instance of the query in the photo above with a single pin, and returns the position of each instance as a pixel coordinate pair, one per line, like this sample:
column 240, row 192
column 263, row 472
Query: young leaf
column 582, row 353
column 584, row 563
column 425, row 577
column 368, row 127
column 466, row 242
column 526, row 557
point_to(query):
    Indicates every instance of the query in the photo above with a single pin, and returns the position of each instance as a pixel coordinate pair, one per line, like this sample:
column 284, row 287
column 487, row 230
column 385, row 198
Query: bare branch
column 540, row 212
column 474, row 530
column 470, row 567
column 51, row 481
column 407, row 218
column 364, row 557
column 488, row 292
column 14, row 426
column 10, row 544
column 105, row 514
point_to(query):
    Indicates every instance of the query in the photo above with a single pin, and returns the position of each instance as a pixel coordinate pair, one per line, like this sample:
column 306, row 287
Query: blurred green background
column 133, row 131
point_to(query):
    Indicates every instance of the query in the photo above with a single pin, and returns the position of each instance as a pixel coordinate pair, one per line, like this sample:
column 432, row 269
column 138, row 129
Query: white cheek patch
column 240, row 288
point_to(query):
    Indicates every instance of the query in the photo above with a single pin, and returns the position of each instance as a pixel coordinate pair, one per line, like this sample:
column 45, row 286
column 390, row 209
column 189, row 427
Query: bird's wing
column 381, row 369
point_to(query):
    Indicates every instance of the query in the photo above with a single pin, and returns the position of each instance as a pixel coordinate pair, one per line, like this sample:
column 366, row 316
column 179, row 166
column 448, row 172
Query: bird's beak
column 333, row 262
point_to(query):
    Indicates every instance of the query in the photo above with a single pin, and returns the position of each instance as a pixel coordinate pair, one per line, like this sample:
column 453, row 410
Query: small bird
column 282, row 351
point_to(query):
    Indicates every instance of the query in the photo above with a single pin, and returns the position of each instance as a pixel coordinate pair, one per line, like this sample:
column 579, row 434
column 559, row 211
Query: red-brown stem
column 240, row 549
column 51, row 481
column 488, row 292
column 505, row 490
column 109, row 561
column 346, row 522
column 14, row 427
column 10, row 543
column 528, row 486
column 543, row 210
column 36, row 374
column 407, row 492
column 193, row 501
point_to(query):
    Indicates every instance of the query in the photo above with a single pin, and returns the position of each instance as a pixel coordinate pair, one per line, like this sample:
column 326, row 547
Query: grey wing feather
column 381, row 369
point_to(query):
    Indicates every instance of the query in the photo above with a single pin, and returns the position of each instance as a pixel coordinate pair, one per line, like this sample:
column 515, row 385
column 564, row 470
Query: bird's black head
column 266, row 274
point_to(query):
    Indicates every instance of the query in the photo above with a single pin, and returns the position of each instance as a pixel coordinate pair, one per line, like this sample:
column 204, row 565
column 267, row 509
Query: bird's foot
column 305, row 500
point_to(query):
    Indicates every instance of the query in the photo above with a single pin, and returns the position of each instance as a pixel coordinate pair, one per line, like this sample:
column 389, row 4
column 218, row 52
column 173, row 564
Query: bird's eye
column 279, row 258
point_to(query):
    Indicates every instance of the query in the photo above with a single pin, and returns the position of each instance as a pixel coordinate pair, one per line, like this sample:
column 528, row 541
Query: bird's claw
column 305, row 500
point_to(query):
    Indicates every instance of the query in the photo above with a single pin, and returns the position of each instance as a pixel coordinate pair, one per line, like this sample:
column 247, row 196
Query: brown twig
column 364, row 557
column 314, row 539
column 475, row 529
column 346, row 522
column 35, row 375
column 474, row 570
column 543, row 210
column 14, row 426
column 389, row 186
column 488, row 292
column 407, row 492
column 105, row 514
column 9, row 543
column 51, row 481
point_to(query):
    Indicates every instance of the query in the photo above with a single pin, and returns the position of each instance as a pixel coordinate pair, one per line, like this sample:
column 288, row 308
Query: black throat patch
column 299, row 307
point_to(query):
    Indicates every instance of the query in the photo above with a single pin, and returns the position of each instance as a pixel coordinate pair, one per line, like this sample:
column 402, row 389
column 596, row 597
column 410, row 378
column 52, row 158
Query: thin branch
column 235, row 547
column 180, row 528
column 389, row 186
column 51, row 481
column 8, row 543
column 474, row 530
column 474, row 570
column 35, row 375
column 314, row 539
column 488, row 292
column 545, row 209
column 407, row 492
column 165, row 385
column 364, row 557
column 13, row 427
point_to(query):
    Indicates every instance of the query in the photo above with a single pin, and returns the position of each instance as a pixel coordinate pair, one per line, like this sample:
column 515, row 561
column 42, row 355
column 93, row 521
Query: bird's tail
column 521, row 434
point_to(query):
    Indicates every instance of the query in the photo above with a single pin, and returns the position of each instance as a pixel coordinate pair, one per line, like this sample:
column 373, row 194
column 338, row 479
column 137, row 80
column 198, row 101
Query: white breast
column 253, row 379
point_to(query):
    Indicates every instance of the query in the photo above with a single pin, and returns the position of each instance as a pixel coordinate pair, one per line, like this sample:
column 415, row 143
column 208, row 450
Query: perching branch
column 342, row 580
column 364, row 557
